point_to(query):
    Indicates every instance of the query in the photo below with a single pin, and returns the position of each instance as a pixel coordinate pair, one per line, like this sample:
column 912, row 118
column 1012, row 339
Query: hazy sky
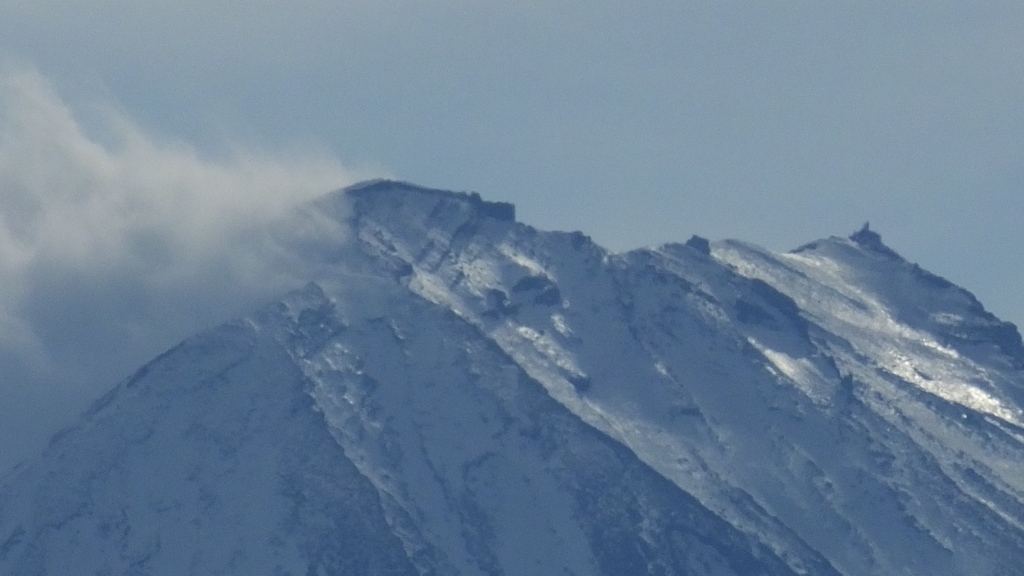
column 138, row 140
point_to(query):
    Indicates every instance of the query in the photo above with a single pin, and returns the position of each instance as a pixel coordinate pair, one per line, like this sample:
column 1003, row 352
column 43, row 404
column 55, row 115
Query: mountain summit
column 458, row 393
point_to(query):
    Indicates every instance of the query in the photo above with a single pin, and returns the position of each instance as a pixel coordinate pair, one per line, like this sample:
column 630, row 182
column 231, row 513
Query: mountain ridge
column 503, row 400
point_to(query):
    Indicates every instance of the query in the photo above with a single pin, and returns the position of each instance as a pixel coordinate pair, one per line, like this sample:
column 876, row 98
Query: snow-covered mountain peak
column 910, row 294
column 455, row 392
column 398, row 199
column 899, row 318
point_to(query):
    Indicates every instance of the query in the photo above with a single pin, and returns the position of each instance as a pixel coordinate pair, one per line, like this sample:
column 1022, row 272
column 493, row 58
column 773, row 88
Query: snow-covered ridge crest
column 911, row 323
column 851, row 337
column 488, row 398
column 406, row 191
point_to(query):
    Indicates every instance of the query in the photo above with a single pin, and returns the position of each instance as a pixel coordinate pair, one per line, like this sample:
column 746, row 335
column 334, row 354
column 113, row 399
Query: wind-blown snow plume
column 113, row 247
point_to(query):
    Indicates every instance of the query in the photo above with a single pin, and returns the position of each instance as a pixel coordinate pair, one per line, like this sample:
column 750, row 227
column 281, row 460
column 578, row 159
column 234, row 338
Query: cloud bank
column 115, row 244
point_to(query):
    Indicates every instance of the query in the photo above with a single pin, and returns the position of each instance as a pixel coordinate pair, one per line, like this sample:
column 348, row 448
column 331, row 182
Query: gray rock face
column 458, row 393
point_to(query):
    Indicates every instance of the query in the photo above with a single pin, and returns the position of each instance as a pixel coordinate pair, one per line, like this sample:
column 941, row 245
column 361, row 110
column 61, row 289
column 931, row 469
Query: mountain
column 455, row 392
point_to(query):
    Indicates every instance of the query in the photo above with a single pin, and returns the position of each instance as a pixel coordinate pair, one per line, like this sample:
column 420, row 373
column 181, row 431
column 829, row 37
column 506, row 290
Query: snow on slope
column 459, row 393
column 210, row 460
column 769, row 414
column 354, row 428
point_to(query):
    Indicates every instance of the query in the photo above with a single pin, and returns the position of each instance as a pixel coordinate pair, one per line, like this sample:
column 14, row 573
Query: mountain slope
column 459, row 393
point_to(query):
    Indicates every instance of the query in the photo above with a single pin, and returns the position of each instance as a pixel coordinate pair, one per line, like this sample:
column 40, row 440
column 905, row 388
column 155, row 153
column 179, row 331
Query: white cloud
column 114, row 246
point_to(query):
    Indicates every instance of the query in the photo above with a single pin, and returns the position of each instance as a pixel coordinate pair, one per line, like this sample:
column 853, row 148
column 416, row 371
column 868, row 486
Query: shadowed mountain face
column 458, row 393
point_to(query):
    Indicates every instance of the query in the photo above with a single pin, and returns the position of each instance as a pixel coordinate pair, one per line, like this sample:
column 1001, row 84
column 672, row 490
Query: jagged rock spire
column 868, row 238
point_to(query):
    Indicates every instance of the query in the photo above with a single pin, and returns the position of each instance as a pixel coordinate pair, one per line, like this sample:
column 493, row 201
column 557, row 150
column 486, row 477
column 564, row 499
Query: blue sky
column 638, row 123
